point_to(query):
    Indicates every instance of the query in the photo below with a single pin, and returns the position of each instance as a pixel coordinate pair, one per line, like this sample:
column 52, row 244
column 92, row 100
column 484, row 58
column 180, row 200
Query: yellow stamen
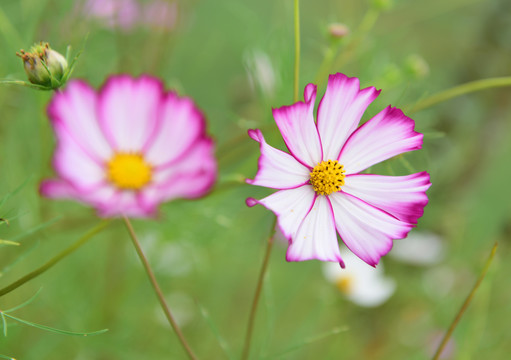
column 327, row 177
column 345, row 284
column 129, row 171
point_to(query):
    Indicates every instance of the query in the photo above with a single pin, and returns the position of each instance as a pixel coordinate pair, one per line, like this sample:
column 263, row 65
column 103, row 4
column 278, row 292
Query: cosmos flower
column 360, row 283
column 128, row 147
column 321, row 188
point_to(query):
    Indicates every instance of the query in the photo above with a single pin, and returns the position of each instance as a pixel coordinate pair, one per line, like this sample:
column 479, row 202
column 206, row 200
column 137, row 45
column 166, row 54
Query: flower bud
column 337, row 30
column 43, row 65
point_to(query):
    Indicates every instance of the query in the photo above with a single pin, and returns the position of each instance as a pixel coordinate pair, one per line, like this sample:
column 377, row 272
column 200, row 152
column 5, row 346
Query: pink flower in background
column 321, row 190
column 122, row 14
column 160, row 14
column 128, row 147
column 127, row 14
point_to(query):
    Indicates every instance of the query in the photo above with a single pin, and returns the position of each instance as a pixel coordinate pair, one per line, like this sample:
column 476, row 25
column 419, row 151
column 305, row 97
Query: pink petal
column 291, row 206
column 340, row 111
column 387, row 134
column 74, row 112
column 128, row 111
column 401, row 196
column 190, row 176
column 277, row 169
column 367, row 231
column 316, row 237
column 125, row 203
column 57, row 189
column 296, row 123
column 73, row 163
column 180, row 124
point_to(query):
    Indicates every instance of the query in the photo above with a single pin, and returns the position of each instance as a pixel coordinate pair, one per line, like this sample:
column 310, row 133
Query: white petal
column 340, row 111
column 387, row 134
column 290, row 206
column 402, row 196
column 277, row 169
column 316, row 237
column 367, row 231
column 296, row 123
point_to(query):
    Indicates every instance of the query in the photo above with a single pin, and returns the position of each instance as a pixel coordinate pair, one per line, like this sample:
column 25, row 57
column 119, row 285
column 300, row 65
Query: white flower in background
column 419, row 248
column 360, row 283
column 261, row 73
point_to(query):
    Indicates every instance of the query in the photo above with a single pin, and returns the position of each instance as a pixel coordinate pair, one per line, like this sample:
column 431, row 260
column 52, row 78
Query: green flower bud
column 43, row 65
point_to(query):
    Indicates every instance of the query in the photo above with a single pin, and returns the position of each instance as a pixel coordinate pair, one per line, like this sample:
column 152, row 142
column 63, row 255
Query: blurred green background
column 207, row 253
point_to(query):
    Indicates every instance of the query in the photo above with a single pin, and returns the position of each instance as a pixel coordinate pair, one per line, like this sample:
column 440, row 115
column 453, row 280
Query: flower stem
column 157, row 289
column 253, row 310
column 297, row 49
column 465, row 305
column 56, row 258
column 461, row 90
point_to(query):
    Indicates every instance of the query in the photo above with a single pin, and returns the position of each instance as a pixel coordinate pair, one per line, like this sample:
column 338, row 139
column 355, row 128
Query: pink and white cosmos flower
column 128, row 147
column 321, row 190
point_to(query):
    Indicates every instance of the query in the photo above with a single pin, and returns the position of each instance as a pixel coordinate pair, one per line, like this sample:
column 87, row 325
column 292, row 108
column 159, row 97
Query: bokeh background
column 235, row 58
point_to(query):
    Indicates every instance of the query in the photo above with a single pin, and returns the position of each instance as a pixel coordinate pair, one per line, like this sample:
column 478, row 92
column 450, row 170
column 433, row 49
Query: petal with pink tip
column 296, row 123
column 316, row 237
column 180, row 125
column 75, row 111
column 367, row 231
column 191, row 176
column 387, row 134
column 277, row 169
column 73, row 163
column 401, row 196
column 128, row 111
column 340, row 111
column 291, row 206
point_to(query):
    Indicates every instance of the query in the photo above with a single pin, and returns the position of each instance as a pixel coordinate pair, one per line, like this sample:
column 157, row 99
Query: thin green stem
column 297, row 50
column 257, row 295
column 460, row 90
column 157, row 289
column 465, row 304
column 56, row 258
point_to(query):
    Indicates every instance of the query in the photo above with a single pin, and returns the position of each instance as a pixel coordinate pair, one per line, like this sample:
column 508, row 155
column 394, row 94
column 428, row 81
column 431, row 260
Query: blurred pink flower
column 160, row 14
column 128, row 147
column 121, row 14
column 127, row 14
column 321, row 188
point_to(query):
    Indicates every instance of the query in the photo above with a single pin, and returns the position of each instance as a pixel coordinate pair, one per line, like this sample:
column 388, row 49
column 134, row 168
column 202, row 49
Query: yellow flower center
column 129, row 171
column 345, row 284
column 327, row 177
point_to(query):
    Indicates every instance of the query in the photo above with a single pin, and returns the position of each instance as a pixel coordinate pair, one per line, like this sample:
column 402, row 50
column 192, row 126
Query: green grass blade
column 55, row 330
column 4, row 324
column 8, row 242
column 309, row 341
column 24, row 303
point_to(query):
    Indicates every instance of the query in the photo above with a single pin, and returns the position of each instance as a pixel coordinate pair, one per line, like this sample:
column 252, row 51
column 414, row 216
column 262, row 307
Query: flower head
column 128, row 147
column 361, row 284
column 321, row 189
